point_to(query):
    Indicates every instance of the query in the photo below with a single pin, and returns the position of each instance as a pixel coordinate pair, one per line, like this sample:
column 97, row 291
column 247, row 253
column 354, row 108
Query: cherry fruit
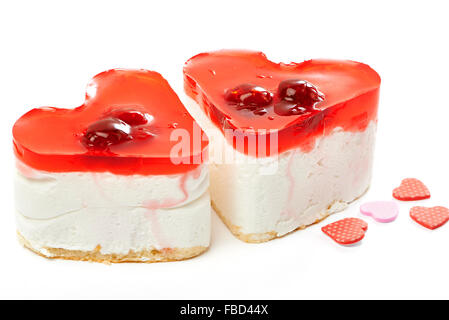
column 300, row 92
column 105, row 133
column 249, row 95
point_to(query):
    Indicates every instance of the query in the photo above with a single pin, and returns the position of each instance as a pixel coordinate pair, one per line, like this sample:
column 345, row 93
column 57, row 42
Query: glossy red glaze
column 51, row 139
column 351, row 93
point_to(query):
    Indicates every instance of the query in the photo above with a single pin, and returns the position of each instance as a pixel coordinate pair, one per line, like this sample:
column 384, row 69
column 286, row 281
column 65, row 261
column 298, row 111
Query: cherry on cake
column 100, row 182
column 290, row 143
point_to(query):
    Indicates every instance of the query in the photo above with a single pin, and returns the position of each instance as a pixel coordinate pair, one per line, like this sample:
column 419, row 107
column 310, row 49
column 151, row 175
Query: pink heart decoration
column 381, row 211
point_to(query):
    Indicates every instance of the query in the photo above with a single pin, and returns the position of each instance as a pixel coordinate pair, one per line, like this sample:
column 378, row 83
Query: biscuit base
column 267, row 236
column 144, row 256
column 256, row 237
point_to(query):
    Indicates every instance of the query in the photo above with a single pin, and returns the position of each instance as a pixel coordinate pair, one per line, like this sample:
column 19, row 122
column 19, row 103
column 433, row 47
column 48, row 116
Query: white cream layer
column 279, row 195
column 81, row 210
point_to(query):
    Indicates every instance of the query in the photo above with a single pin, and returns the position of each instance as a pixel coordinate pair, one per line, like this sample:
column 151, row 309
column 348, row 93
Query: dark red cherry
column 249, row 96
column 131, row 117
column 300, row 92
column 287, row 108
column 106, row 132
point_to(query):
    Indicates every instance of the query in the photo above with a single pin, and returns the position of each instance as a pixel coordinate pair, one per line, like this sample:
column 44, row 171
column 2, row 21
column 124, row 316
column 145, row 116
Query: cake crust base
column 144, row 256
column 267, row 236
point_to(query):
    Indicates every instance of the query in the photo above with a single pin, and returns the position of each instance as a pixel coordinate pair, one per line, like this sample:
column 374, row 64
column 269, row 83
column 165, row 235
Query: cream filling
column 81, row 210
column 43, row 195
column 121, row 229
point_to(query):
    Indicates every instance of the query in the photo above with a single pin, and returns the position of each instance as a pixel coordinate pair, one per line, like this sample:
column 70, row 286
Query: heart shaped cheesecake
column 110, row 181
column 289, row 143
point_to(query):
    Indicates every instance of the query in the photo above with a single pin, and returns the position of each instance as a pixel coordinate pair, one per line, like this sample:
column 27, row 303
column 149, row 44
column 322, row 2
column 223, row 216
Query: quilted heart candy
column 411, row 189
column 431, row 218
column 346, row 231
column 381, row 211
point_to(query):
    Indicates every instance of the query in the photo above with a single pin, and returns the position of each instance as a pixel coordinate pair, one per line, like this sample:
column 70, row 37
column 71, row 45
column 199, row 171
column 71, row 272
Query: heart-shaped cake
column 303, row 135
column 102, row 182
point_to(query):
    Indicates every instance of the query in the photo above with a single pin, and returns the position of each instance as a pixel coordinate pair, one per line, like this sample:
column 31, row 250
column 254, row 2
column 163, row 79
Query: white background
column 50, row 49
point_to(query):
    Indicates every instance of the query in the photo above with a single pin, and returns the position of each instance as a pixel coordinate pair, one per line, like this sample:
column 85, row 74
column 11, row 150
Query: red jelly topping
column 309, row 99
column 123, row 127
column 288, row 108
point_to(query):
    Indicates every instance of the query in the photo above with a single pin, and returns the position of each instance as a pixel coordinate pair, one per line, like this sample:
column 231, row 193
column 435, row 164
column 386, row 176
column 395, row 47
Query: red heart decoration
column 350, row 92
column 54, row 139
column 431, row 218
column 411, row 189
column 346, row 231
